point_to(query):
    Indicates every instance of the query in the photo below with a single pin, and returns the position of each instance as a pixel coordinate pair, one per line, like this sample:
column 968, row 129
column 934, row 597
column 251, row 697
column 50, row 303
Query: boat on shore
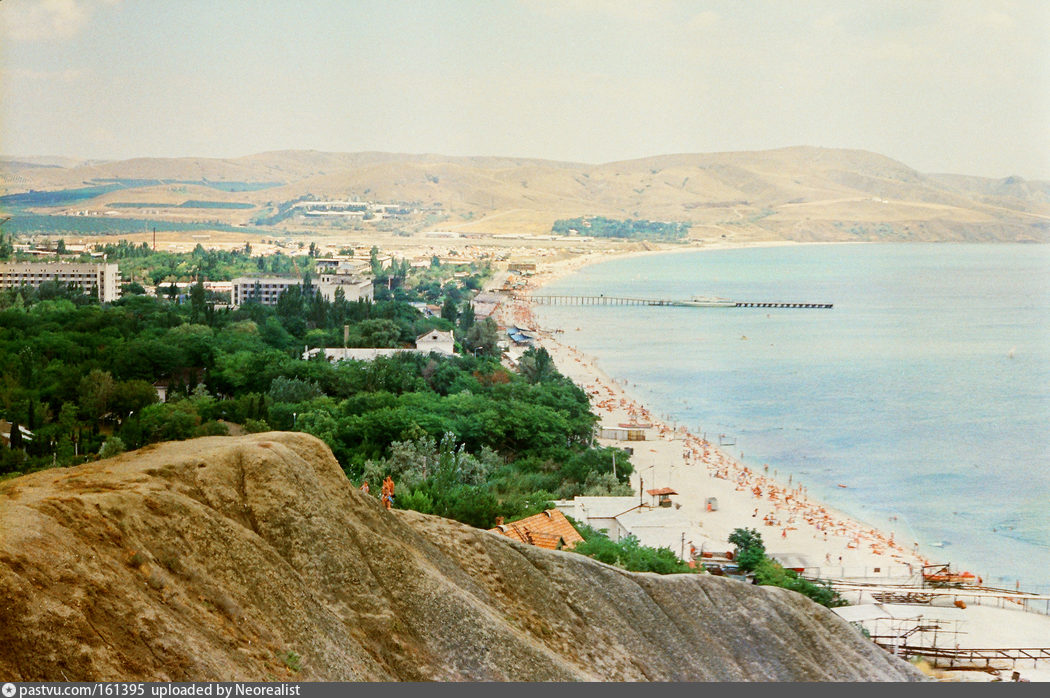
column 944, row 576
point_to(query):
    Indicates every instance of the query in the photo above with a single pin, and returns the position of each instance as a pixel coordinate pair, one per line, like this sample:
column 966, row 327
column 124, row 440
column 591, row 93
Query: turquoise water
column 925, row 390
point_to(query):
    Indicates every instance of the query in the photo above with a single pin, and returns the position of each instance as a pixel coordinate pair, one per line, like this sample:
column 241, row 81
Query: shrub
column 212, row 429
column 628, row 553
column 113, row 446
column 416, row 500
column 256, row 426
column 770, row 573
column 292, row 660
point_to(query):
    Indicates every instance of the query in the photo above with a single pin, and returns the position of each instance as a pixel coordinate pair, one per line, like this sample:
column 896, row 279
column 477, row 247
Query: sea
column 919, row 403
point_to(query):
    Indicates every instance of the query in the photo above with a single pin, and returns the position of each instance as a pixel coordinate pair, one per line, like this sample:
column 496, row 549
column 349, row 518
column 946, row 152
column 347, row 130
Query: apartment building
column 267, row 289
column 100, row 279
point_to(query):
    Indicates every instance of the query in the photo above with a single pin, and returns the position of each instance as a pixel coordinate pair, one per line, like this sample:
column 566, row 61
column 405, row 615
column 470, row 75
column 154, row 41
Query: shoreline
column 791, row 522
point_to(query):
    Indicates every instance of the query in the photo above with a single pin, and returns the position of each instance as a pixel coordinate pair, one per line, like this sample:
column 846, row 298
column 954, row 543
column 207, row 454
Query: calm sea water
column 925, row 390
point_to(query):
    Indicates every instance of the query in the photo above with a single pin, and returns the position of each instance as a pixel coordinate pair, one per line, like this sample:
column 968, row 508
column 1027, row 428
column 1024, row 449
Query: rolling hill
column 797, row 193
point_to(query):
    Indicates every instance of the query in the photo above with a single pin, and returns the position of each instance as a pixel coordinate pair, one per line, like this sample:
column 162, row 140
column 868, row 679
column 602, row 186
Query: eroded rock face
column 253, row 558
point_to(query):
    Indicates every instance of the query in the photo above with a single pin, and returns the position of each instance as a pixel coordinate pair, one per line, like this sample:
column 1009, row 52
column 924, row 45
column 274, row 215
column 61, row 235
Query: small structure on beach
column 664, row 495
column 621, row 434
column 797, row 562
column 518, row 334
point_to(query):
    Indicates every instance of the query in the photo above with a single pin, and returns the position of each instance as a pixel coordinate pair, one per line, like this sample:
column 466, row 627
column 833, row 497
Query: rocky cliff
column 253, row 558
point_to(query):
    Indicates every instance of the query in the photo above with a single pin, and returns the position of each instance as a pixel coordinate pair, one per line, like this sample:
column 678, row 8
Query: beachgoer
column 388, row 492
column 364, row 487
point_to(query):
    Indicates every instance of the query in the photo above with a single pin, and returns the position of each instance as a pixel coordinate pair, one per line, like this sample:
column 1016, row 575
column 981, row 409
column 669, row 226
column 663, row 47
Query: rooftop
column 549, row 530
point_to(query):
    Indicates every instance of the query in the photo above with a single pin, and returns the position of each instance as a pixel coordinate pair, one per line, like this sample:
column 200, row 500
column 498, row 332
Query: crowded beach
column 790, row 521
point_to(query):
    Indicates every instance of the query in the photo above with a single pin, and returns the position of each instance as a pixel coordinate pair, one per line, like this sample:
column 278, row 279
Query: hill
column 254, row 558
column 798, row 193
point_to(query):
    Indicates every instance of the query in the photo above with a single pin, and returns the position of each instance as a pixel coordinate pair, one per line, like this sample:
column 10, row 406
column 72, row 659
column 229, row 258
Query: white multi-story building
column 263, row 289
column 267, row 289
column 354, row 289
column 102, row 280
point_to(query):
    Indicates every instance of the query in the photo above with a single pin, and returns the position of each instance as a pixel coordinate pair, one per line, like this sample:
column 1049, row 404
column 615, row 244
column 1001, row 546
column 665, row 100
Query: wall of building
column 102, row 280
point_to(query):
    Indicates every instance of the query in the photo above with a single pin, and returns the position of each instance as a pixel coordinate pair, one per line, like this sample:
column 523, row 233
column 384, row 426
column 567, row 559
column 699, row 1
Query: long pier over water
column 694, row 303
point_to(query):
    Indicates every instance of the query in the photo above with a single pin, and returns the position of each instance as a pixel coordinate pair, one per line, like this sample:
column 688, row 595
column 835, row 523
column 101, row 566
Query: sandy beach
column 831, row 543
column 791, row 523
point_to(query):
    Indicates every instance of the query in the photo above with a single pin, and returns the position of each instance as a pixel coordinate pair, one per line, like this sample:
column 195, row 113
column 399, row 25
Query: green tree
column 168, row 421
column 373, row 260
column 96, row 391
column 284, row 389
column 67, row 419
column 466, row 320
column 131, row 396
column 750, row 550
column 536, row 365
column 449, row 311
column 484, row 337
column 15, row 436
column 198, row 297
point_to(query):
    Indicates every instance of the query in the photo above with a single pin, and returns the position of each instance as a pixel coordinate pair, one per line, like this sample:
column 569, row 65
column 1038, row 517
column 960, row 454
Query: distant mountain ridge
column 796, row 193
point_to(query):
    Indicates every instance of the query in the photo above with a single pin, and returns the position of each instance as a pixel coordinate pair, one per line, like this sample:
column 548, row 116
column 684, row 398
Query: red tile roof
column 549, row 530
column 661, row 491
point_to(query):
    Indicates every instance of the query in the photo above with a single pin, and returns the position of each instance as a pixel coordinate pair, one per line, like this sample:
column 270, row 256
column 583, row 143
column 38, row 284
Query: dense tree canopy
column 463, row 436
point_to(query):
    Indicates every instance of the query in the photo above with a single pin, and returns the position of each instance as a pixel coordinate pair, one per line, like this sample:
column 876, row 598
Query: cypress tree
column 16, row 436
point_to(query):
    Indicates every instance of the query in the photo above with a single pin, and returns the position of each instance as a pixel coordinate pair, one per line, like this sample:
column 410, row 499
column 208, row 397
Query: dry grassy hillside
column 253, row 558
column 799, row 193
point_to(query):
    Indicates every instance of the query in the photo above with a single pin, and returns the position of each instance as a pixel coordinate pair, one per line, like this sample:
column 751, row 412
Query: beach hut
column 619, row 434
column 664, row 495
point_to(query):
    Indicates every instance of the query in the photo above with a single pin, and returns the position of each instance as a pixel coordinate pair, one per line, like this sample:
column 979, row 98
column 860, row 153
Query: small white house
column 436, row 341
column 433, row 341
column 620, row 517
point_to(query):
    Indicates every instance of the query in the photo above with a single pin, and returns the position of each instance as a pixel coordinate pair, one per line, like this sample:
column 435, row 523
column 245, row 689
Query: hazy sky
column 945, row 86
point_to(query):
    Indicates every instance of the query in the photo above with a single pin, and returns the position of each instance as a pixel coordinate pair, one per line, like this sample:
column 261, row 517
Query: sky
column 960, row 86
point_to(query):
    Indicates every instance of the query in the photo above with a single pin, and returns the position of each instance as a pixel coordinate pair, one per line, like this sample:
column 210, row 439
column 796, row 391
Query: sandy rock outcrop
column 253, row 558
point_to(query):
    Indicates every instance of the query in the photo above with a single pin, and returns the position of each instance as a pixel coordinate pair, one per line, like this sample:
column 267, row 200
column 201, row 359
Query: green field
column 28, row 223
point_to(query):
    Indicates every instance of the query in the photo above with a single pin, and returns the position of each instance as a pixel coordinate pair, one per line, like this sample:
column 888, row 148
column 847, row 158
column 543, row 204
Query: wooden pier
column 749, row 304
column 964, row 657
column 597, row 300
column 667, row 302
